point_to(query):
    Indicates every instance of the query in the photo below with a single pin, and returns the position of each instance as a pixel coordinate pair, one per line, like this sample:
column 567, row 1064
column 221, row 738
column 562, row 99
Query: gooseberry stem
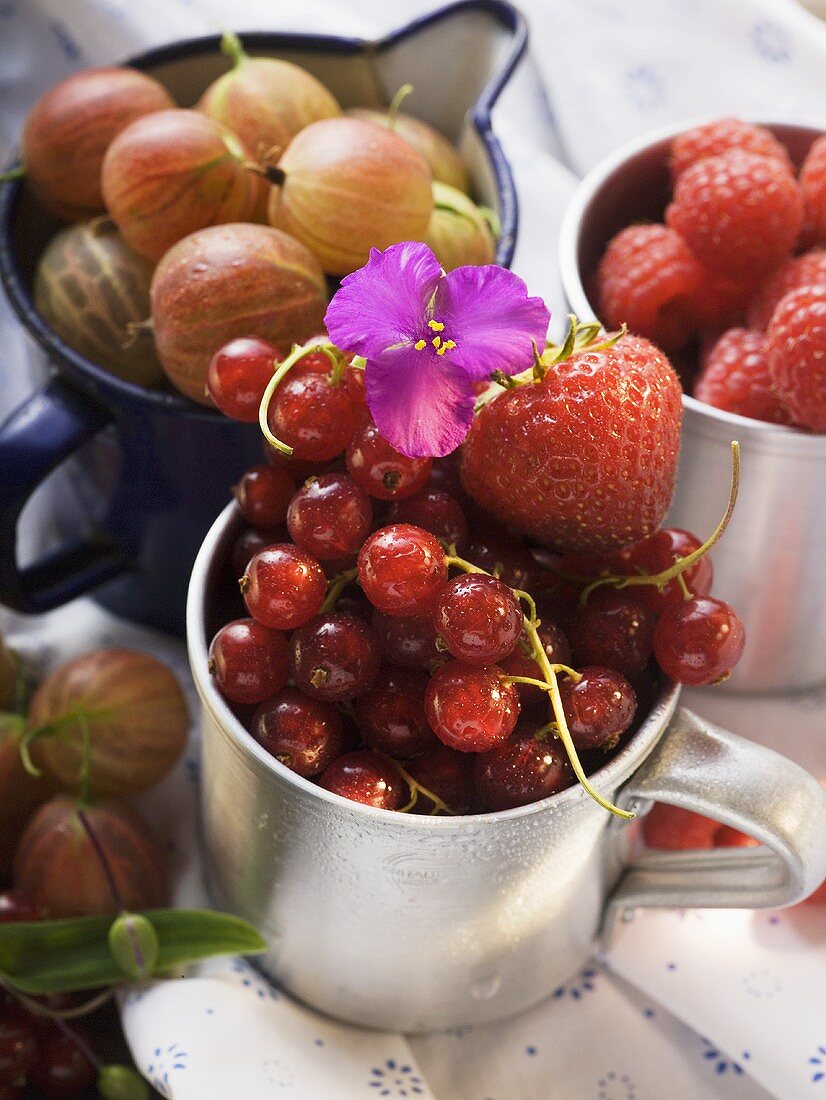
column 395, row 103
column 231, row 46
column 282, row 370
column 530, row 624
column 681, row 564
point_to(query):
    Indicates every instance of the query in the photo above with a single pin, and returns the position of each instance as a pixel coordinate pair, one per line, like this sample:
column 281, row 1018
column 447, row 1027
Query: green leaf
column 57, row 956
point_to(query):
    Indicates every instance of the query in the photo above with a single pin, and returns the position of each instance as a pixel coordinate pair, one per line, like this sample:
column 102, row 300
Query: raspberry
column 796, row 350
column 645, row 276
column 721, row 136
column 736, row 378
column 673, row 828
column 739, row 213
column 806, row 270
column 813, row 186
column 719, row 302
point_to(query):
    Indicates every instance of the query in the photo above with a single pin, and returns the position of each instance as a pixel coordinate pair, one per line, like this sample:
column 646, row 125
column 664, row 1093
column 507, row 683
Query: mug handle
column 703, row 768
column 46, row 429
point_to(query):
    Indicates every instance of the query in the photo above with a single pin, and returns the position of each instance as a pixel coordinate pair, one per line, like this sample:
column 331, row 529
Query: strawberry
column 674, row 829
column 585, row 459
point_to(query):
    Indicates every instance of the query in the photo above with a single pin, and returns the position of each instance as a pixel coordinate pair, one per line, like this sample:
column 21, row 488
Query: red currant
column 444, row 476
column 436, row 512
column 62, row 1070
column 522, row 769
column 249, row 542
column 614, row 629
column 248, row 661
column 447, row 774
column 599, row 707
column 391, row 714
column 263, row 495
column 505, row 559
column 283, row 586
column 334, row 656
column 699, row 641
column 479, row 619
column 380, row 470
column 311, row 415
column 406, row 640
column 238, row 375
column 354, row 381
column 659, row 552
column 368, row 778
column 303, row 734
column 470, row 708
column 330, row 516
column 402, row 569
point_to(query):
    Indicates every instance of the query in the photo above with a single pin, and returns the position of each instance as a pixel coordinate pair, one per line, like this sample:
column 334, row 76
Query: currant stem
column 681, row 564
column 37, row 1009
column 283, row 369
column 417, row 789
column 549, row 671
column 231, row 46
column 335, row 588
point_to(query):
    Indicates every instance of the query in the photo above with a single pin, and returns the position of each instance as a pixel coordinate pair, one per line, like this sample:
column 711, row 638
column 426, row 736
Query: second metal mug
column 770, row 563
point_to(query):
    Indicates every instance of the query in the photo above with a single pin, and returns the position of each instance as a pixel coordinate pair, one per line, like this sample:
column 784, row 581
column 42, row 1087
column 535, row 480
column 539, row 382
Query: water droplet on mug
column 486, row 988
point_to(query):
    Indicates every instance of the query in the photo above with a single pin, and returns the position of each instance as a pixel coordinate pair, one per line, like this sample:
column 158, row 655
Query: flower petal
column 422, row 403
column 384, row 303
column 487, row 311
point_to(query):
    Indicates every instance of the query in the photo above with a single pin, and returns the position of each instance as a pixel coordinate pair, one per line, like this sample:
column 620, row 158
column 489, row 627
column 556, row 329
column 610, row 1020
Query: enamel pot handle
column 46, row 429
column 703, row 768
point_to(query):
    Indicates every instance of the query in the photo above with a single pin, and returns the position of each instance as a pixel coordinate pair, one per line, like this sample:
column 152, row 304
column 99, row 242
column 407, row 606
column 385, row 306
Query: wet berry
column 478, row 618
column 283, row 586
column 368, row 778
column 304, row 734
column 380, row 470
column 434, row 511
column 699, row 641
column 614, row 629
column 470, row 709
column 521, row 770
column 62, row 1071
column 238, row 375
column 248, row 661
column 263, row 495
column 599, row 707
column 402, row 569
column 391, row 714
column 334, row 656
column 406, row 640
column 330, row 516
column 658, row 553
column 445, row 773
column 311, row 415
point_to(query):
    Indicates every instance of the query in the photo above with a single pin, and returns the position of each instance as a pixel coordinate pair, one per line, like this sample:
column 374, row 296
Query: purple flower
column 427, row 337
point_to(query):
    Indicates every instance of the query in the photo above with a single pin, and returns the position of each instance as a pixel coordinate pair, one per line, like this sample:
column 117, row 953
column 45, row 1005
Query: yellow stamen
column 436, row 341
column 436, row 326
column 446, row 346
column 420, row 345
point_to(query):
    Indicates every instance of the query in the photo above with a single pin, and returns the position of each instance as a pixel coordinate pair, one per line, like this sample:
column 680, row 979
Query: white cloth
column 686, row 1005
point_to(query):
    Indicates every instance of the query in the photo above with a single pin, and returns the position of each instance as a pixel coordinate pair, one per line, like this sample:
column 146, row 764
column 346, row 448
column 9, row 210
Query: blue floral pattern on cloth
column 818, row 1061
column 721, row 1063
column 771, row 41
column 393, row 1079
column 644, row 87
column 583, row 983
column 166, row 1060
column 613, row 1086
column 252, row 980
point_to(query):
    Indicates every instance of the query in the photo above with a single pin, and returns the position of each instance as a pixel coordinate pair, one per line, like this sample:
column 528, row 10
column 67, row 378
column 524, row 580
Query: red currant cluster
column 377, row 661
column 37, row 1056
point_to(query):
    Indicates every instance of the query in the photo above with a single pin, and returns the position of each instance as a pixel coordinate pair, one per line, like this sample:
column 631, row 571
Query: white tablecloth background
column 686, row 1005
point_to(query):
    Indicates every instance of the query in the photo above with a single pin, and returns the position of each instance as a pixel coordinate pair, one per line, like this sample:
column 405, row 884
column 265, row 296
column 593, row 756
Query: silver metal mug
column 770, row 563
column 411, row 923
